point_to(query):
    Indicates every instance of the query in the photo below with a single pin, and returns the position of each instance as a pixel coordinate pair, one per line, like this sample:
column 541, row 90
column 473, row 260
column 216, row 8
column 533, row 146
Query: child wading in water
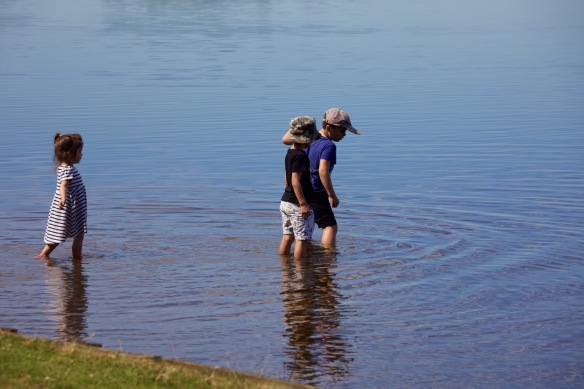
column 68, row 214
column 297, row 216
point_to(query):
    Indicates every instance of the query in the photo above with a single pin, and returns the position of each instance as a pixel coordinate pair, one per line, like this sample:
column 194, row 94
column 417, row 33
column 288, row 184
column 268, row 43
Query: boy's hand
column 334, row 200
column 305, row 210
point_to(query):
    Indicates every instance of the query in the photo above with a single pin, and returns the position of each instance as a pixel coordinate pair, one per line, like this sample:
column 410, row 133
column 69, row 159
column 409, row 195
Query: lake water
column 461, row 223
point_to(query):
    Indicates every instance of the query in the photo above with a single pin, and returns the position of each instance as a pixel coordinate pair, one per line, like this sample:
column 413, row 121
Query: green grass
column 27, row 362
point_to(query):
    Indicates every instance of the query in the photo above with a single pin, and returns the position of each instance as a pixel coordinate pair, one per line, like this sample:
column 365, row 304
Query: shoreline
column 27, row 361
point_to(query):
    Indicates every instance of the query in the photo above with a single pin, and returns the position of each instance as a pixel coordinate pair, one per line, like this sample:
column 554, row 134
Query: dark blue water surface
column 461, row 224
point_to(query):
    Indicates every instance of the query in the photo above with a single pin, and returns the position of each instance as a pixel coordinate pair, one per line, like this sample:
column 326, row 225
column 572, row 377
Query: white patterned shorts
column 294, row 224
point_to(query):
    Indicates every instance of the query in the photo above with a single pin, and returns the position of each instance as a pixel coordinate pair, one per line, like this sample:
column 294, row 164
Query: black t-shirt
column 297, row 161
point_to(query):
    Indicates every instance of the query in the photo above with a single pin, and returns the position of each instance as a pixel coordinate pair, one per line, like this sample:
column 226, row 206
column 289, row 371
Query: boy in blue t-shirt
column 323, row 157
column 297, row 216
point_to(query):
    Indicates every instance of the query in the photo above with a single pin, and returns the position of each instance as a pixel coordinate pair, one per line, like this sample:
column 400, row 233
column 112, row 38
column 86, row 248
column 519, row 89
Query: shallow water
column 461, row 219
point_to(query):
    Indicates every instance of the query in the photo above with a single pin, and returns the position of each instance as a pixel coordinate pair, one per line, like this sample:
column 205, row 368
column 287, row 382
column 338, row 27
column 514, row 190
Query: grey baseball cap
column 338, row 117
column 302, row 129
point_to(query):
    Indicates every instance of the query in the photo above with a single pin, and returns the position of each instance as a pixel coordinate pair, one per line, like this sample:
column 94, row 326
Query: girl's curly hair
column 66, row 147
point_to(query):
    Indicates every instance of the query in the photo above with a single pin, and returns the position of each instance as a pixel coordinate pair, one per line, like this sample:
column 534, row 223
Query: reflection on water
column 317, row 351
column 67, row 286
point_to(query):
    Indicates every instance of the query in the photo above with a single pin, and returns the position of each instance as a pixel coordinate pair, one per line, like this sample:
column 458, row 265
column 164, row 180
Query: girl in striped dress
column 68, row 214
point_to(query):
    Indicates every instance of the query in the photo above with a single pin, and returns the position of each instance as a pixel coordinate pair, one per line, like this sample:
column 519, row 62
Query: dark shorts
column 323, row 212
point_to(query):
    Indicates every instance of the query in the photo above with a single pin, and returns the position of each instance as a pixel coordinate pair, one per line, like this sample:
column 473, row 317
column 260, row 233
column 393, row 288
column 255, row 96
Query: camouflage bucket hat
column 302, row 129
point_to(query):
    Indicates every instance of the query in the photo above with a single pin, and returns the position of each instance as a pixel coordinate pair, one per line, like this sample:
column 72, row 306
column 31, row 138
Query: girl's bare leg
column 77, row 247
column 49, row 247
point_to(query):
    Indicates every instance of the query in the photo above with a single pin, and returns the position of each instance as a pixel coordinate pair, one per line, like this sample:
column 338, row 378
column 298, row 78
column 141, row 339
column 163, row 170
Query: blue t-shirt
column 321, row 148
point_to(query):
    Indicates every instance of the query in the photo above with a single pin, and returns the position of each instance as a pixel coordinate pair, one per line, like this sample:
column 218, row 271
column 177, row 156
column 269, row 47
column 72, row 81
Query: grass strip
column 29, row 362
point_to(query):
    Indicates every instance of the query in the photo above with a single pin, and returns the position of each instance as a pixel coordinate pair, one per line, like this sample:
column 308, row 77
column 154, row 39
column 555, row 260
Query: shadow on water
column 317, row 351
column 67, row 285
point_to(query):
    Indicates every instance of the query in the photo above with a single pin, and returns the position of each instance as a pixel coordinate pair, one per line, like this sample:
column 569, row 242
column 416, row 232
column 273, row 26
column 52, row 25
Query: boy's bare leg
column 286, row 243
column 300, row 248
column 49, row 247
column 77, row 247
column 329, row 237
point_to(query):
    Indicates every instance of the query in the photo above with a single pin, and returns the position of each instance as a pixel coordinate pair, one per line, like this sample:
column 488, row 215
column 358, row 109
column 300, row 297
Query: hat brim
column 299, row 138
column 353, row 130
column 350, row 128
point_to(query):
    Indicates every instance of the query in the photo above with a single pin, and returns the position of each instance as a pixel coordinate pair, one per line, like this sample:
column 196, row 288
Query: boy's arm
column 304, row 207
column 324, row 172
column 63, row 192
column 286, row 139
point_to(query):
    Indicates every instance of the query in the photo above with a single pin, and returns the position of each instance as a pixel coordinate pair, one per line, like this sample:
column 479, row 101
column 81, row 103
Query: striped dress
column 71, row 220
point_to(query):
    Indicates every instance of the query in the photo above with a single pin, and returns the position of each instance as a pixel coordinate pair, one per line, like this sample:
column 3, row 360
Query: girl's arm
column 63, row 192
column 304, row 207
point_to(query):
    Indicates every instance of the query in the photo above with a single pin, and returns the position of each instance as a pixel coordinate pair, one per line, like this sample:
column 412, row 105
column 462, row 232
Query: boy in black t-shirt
column 297, row 217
